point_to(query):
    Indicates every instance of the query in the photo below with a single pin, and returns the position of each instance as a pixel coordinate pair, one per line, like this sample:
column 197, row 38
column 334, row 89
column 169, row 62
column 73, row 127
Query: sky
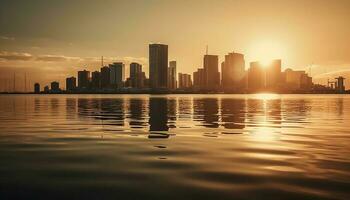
column 50, row 40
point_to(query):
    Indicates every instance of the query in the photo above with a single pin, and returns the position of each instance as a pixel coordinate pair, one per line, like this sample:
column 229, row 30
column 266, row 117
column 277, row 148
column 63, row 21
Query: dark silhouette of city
column 163, row 77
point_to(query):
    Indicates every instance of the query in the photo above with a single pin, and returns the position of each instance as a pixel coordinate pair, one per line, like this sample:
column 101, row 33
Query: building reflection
column 137, row 112
column 273, row 111
column 158, row 116
column 296, row 110
column 207, row 111
column 232, row 113
column 71, row 108
column 113, row 111
column 172, row 115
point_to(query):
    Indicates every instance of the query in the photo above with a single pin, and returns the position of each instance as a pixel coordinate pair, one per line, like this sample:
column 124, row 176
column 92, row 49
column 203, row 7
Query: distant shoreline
column 164, row 93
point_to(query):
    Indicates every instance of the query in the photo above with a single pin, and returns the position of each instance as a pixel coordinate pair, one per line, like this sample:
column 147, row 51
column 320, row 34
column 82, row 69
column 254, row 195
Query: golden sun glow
column 267, row 50
column 266, row 96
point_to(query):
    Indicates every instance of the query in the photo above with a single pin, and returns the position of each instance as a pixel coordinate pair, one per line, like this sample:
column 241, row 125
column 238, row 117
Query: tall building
column 37, row 88
column 55, row 86
column 340, row 84
column 256, row 77
column 185, row 81
column 296, row 80
column 273, row 74
column 199, row 80
column 158, row 66
column 233, row 72
column 71, row 83
column 83, row 79
column 172, row 75
column 117, row 74
column 211, row 70
column 46, row 89
column 105, row 77
column 96, row 79
column 136, row 75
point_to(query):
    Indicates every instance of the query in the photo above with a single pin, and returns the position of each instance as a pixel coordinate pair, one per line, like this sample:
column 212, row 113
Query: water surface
column 174, row 146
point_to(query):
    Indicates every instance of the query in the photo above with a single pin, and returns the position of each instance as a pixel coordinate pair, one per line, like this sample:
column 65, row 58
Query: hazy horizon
column 50, row 40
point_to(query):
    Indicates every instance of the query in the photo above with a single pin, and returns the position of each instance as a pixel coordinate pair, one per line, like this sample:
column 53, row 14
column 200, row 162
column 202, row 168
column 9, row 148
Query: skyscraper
column 199, row 79
column 96, row 79
column 55, row 87
column 136, row 75
column 232, row 72
column 37, row 88
column 185, row 81
column 158, row 66
column 172, row 75
column 83, row 79
column 256, row 77
column 105, row 77
column 211, row 70
column 117, row 74
column 273, row 75
column 71, row 83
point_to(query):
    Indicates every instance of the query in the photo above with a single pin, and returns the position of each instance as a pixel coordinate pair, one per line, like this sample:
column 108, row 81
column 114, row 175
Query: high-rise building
column 199, row 79
column 158, row 66
column 273, row 74
column 211, row 69
column 83, row 79
column 185, row 81
column 256, row 77
column 296, row 80
column 117, row 74
column 105, row 77
column 37, row 88
column 71, row 83
column 172, row 75
column 340, row 84
column 55, row 86
column 96, row 79
column 233, row 71
column 136, row 75
column 46, row 89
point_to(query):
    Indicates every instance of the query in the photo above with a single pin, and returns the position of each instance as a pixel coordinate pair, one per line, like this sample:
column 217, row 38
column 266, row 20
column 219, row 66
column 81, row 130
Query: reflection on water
column 175, row 146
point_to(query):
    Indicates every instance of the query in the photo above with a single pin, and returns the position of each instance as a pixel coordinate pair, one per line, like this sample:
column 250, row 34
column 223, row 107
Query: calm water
column 174, row 147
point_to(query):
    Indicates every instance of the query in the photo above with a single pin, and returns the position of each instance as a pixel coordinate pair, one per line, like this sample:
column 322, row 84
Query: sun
column 264, row 51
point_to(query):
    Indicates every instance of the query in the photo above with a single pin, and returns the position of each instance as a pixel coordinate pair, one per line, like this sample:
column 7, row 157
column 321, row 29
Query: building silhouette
column 256, row 77
column 273, row 75
column 96, row 79
column 158, row 66
column 55, row 87
column 211, row 70
column 340, row 87
column 185, row 81
column 296, row 80
column 233, row 72
column 199, row 80
column 71, row 83
column 172, row 83
column 117, row 74
column 137, row 77
column 83, row 79
column 105, row 77
column 37, row 88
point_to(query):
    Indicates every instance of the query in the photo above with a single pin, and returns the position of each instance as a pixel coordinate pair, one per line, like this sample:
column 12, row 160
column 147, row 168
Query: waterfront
column 175, row 146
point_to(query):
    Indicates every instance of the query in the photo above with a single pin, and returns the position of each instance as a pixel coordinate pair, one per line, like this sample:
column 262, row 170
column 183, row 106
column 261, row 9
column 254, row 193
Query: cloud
column 56, row 58
column 15, row 56
column 7, row 38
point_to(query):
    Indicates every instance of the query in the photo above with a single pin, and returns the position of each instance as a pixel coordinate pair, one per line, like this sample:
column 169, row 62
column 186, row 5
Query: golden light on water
column 266, row 96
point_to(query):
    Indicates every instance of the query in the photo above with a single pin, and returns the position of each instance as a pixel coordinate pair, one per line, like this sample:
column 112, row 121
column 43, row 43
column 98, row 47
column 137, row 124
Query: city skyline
column 312, row 37
column 260, row 77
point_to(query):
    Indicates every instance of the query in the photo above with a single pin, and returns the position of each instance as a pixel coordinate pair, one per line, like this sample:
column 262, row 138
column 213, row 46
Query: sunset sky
column 50, row 40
